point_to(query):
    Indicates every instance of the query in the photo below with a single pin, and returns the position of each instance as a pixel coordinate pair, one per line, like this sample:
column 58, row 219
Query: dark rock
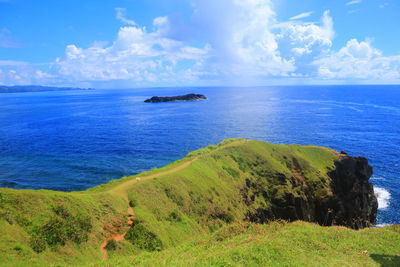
column 349, row 199
column 354, row 203
column 188, row 97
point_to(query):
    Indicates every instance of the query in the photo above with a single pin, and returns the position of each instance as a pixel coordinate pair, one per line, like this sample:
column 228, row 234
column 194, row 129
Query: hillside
column 278, row 244
column 183, row 208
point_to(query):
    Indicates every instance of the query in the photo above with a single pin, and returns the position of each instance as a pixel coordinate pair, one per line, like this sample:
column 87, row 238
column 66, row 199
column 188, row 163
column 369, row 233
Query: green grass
column 184, row 212
column 279, row 244
column 55, row 224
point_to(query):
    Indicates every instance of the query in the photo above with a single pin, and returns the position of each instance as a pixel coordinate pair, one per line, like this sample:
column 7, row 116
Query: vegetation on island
column 196, row 211
column 188, row 97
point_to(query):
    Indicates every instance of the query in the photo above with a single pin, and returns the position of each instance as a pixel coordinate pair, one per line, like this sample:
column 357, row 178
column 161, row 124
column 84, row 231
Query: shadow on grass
column 386, row 260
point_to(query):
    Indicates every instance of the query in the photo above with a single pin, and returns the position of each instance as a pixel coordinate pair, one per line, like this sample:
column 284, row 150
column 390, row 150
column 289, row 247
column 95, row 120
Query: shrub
column 132, row 203
column 211, row 147
column 241, row 163
column 195, row 197
column 139, row 236
column 230, row 231
column 231, row 172
column 60, row 229
column 17, row 248
column 54, row 232
column 61, row 211
column 37, row 243
column 111, row 245
column 222, row 215
column 7, row 216
column 174, row 196
column 200, row 210
column 174, row 216
column 79, row 229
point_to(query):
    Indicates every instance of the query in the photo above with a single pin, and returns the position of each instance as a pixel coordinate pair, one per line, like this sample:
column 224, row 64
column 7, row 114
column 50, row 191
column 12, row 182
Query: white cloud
column 41, row 75
column 240, row 44
column 302, row 15
column 303, row 43
column 226, row 40
column 353, row 2
column 359, row 60
column 136, row 55
column 13, row 75
column 240, row 34
column 121, row 16
column 18, row 75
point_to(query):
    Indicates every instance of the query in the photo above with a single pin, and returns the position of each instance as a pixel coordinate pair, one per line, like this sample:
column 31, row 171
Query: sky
column 150, row 43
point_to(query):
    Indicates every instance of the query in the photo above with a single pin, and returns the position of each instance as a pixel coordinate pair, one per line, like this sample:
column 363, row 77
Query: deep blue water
column 74, row 140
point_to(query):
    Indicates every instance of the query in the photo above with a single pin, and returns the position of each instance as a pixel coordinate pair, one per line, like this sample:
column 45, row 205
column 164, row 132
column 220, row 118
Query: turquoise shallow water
column 74, row 140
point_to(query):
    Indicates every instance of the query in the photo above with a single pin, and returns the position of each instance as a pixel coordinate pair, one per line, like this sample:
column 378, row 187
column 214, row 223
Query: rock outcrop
column 188, row 97
column 345, row 197
column 354, row 203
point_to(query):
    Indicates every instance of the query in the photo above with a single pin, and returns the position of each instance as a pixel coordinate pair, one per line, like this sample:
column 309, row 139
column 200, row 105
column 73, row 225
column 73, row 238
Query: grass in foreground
column 279, row 244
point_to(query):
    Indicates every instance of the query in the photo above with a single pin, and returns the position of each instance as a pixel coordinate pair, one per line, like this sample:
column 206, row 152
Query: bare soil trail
column 121, row 191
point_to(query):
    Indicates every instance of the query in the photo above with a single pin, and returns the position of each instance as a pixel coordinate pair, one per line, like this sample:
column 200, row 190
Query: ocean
column 74, row 140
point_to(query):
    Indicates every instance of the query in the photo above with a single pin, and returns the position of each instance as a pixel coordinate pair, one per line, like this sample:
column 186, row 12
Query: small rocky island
column 188, row 97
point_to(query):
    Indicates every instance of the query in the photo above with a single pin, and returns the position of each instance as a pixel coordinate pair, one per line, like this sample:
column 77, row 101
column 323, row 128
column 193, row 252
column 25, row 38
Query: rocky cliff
column 345, row 198
column 354, row 203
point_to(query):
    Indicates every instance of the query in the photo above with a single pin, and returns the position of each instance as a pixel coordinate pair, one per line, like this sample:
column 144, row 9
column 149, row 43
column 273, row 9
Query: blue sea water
column 74, row 140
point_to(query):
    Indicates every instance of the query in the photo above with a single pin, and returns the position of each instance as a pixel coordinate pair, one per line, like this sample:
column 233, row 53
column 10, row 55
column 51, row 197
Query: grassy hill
column 278, row 244
column 199, row 210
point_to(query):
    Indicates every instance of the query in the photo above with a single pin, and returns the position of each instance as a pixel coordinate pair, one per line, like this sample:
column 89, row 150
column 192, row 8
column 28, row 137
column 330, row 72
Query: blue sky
column 131, row 43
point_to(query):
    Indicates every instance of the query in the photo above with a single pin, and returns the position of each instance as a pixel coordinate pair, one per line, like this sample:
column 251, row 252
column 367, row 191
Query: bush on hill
column 60, row 229
column 139, row 236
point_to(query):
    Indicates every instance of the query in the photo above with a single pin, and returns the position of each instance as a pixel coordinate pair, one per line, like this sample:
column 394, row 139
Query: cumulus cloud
column 19, row 75
column 136, row 55
column 359, row 60
column 241, row 38
column 239, row 43
column 225, row 40
column 303, row 43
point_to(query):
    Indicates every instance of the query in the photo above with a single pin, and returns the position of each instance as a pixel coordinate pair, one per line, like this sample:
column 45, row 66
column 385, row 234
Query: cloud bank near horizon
column 226, row 42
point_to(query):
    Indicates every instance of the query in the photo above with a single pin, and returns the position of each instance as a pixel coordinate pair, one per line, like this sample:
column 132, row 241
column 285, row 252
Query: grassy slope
column 24, row 211
column 184, row 201
column 279, row 244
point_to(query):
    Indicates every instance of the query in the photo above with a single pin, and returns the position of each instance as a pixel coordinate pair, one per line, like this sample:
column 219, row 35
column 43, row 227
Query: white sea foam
column 383, row 197
column 382, row 225
column 376, row 178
